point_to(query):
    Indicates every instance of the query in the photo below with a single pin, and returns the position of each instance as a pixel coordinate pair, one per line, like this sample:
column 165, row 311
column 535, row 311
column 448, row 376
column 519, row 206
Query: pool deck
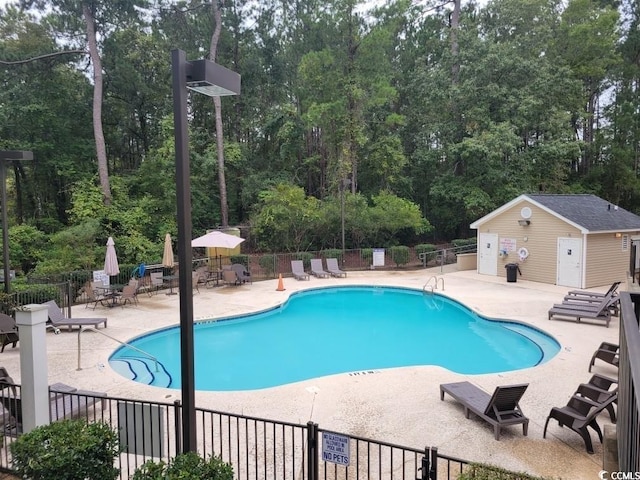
column 399, row 405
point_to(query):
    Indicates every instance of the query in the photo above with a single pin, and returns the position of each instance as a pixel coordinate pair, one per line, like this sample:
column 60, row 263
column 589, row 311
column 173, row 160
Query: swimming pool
column 328, row 331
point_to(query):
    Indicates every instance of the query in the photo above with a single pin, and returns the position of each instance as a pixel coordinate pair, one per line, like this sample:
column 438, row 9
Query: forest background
column 409, row 120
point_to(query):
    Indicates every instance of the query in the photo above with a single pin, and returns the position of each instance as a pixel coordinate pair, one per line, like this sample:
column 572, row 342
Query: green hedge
column 305, row 257
column 479, row 471
column 268, row 264
column 333, row 253
column 187, row 466
column 399, row 255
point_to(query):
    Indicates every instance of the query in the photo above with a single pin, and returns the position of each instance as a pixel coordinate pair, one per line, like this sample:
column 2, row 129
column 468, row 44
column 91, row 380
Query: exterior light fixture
column 208, row 78
column 8, row 156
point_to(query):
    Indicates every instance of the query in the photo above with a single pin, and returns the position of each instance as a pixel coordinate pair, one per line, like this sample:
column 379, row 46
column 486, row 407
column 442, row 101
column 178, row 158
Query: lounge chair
column 500, row 409
column 241, row 271
column 334, row 269
column 64, row 402
column 587, row 294
column 599, row 311
column 607, row 352
column 599, row 389
column 297, row 269
column 8, row 331
column 57, row 318
column 579, row 414
column 316, row 268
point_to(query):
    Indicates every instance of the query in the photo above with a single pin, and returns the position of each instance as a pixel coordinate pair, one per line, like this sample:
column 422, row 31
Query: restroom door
column 569, row 262
column 488, row 253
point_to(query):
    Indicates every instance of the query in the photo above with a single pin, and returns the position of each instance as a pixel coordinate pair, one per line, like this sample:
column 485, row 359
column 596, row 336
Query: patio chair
column 230, row 277
column 8, row 331
column 156, row 282
column 500, row 409
column 600, row 311
column 241, row 271
column 334, row 269
column 58, row 320
column 195, row 280
column 599, row 389
column 579, row 414
column 129, row 294
column 94, row 296
column 316, row 268
column 297, row 269
column 597, row 295
column 607, row 352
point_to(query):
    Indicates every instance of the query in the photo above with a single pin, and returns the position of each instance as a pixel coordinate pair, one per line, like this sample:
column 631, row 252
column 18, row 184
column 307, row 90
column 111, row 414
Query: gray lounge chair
column 8, row 331
column 599, row 389
column 64, row 402
column 57, row 318
column 600, row 311
column 500, row 409
column 297, row 269
column 597, row 295
column 607, row 352
column 316, row 268
column 243, row 274
column 579, row 414
column 334, row 269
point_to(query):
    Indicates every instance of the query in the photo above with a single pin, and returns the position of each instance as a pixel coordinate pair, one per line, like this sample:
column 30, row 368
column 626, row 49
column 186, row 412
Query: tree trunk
column 213, row 53
column 101, row 150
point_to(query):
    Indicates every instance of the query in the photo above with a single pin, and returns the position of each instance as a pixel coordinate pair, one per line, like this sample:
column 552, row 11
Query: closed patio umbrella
column 111, row 259
column 167, row 256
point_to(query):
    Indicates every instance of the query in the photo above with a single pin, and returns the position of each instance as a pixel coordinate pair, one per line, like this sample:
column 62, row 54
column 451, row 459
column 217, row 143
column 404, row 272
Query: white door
column 569, row 262
column 488, row 253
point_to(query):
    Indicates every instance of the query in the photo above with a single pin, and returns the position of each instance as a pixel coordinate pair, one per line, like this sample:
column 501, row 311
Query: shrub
column 478, row 471
column 428, row 249
column 185, row 466
column 400, row 255
column 461, row 242
column 268, row 264
column 366, row 254
column 333, row 253
column 242, row 259
column 67, row 450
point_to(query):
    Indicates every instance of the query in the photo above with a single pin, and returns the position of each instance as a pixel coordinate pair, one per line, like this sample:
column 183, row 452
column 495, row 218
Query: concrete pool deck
column 399, row 405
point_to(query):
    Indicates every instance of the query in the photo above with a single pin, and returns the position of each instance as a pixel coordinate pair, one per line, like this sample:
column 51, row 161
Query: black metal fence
column 70, row 288
column 257, row 448
column 628, row 425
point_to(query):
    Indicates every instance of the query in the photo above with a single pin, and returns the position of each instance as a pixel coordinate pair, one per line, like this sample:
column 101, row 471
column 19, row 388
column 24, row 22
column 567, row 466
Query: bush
column 400, row 255
column 268, row 264
column 333, row 253
column 429, row 251
column 478, row 471
column 241, row 259
column 187, row 466
column 305, row 257
column 366, row 254
column 67, row 450
column 461, row 242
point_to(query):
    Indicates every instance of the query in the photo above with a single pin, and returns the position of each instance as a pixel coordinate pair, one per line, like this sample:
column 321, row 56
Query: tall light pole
column 210, row 79
column 5, row 157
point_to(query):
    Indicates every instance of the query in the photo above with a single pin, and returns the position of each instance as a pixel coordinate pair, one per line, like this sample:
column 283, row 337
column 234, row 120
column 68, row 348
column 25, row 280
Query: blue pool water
column 336, row 330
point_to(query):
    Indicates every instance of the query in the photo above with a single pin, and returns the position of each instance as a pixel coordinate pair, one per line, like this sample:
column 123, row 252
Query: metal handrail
column 84, row 329
column 435, row 279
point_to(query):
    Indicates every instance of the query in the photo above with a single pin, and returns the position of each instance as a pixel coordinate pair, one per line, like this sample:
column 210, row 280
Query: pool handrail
column 84, row 329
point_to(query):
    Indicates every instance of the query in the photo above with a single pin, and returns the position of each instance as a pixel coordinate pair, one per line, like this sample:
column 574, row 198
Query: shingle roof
column 589, row 211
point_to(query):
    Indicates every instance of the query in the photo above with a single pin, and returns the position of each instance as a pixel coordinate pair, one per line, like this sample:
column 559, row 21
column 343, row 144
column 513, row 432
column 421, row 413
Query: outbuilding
column 578, row 241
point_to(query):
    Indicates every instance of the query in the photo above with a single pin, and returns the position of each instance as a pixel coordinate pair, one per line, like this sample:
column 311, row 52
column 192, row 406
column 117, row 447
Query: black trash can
column 512, row 272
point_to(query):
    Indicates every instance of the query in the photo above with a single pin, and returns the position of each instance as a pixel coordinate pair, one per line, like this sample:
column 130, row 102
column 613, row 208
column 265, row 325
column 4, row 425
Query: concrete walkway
column 400, row 405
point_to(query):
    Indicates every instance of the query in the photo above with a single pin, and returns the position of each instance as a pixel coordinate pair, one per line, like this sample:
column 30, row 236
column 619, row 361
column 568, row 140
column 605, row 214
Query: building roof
column 585, row 211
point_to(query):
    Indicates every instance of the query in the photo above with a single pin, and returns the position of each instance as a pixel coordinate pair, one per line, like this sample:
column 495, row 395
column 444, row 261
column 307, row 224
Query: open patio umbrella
column 111, row 259
column 217, row 239
column 167, row 256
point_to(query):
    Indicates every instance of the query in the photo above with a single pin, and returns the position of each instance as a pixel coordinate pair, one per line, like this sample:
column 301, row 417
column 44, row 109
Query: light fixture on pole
column 8, row 156
column 210, row 79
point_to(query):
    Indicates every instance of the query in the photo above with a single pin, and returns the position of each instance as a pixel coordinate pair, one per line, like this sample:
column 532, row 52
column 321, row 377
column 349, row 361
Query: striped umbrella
column 167, row 256
column 111, row 259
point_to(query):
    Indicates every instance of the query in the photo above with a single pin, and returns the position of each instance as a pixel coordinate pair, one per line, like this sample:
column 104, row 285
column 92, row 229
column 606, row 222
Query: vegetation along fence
column 258, row 449
column 68, row 289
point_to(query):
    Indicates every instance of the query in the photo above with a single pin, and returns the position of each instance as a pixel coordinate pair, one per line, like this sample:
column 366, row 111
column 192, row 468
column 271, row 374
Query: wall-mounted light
column 523, row 222
column 618, row 235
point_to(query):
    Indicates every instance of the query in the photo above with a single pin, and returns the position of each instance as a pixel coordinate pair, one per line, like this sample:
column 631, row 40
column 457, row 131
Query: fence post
column 433, row 473
column 177, row 415
column 312, row 451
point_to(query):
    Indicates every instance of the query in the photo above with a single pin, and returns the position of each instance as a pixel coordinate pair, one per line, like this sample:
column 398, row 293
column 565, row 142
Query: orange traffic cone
column 280, row 285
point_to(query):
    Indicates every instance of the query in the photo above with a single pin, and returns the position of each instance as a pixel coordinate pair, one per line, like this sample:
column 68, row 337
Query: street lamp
column 8, row 156
column 210, row 79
